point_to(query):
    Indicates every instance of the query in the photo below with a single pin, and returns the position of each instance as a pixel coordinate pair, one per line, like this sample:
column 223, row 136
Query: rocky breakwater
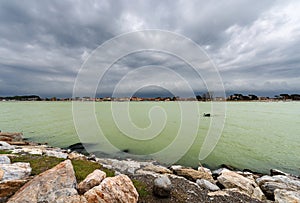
column 24, row 177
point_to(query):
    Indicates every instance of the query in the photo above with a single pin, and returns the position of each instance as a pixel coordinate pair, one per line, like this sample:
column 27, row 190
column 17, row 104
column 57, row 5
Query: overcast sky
column 255, row 45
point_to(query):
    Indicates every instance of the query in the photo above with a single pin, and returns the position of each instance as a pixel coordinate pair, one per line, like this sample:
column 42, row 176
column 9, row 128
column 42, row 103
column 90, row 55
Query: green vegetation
column 83, row 167
column 140, row 187
column 5, row 152
column 40, row 164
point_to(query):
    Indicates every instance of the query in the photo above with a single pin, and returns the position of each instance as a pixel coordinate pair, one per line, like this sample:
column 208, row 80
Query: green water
column 257, row 135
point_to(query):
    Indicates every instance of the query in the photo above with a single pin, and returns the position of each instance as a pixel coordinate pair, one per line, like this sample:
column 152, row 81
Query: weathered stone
column 162, row 186
column 218, row 193
column 72, row 199
column 258, row 194
column 56, row 154
column 75, row 155
column 284, row 196
column 157, row 169
column 52, row 196
column 8, row 188
column 6, row 146
column 193, row 175
column 269, row 187
column 91, row 181
column 59, row 177
column 113, row 189
column 208, row 185
column 291, row 182
column 230, row 179
column 15, row 171
column 269, row 184
column 203, row 169
column 4, row 159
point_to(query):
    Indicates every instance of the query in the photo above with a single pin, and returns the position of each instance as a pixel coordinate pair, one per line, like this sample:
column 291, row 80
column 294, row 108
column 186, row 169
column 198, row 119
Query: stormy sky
column 255, row 45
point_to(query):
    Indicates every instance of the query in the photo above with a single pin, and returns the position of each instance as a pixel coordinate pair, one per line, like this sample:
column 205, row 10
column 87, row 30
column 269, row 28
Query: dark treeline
column 22, row 98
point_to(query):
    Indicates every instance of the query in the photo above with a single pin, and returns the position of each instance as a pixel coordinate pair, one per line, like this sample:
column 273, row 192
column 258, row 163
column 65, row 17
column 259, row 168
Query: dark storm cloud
column 255, row 44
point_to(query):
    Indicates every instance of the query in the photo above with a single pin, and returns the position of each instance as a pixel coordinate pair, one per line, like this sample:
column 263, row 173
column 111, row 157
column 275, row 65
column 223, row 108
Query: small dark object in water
column 125, row 150
column 206, row 114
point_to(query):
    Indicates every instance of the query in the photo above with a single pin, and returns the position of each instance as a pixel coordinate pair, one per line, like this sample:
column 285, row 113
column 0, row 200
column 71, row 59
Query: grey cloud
column 254, row 44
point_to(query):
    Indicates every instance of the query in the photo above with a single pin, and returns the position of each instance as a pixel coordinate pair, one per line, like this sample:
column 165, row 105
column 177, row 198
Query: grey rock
column 52, row 196
column 6, row 146
column 208, row 185
column 15, row 171
column 4, row 160
column 269, row 184
column 56, row 154
column 162, row 186
column 269, row 187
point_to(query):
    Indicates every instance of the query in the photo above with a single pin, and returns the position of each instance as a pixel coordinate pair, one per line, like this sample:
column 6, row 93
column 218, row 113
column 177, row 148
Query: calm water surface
column 257, row 135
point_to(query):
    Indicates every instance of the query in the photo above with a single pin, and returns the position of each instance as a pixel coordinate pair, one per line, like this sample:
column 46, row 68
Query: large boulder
column 91, row 181
column 230, row 179
column 284, row 196
column 269, row 184
column 162, row 186
column 193, row 175
column 113, row 189
column 52, row 181
column 15, row 171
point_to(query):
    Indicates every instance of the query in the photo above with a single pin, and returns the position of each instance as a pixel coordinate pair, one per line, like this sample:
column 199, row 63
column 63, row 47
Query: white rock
column 4, row 159
column 56, row 154
column 207, row 184
column 284, row 196
column 6, row 146
column 15, row 171
column 29, row 150
column 176, row 167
